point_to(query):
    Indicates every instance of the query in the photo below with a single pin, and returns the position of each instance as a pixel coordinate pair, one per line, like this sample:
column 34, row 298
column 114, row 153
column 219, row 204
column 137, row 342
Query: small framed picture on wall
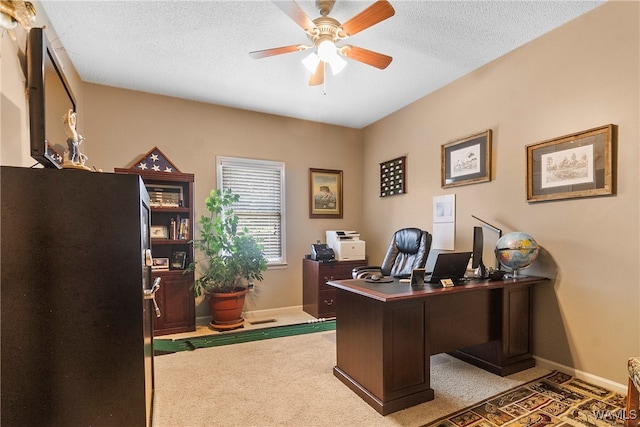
column 467, row 160
column 325, row 193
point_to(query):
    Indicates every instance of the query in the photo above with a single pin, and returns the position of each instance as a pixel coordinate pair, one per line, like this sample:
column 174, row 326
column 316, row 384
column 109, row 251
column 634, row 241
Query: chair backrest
column 409, row 249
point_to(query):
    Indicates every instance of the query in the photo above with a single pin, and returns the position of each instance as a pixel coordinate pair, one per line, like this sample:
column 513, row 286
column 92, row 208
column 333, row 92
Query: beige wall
column 14, row 127
column 122, row 125
column 582, row 75
column 14, row 115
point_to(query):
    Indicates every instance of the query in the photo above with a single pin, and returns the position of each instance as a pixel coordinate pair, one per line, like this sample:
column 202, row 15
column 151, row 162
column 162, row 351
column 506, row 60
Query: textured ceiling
column 198, row 50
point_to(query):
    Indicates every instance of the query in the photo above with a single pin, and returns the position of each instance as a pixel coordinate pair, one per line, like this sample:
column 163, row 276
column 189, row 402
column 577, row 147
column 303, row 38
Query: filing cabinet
column 318, row 298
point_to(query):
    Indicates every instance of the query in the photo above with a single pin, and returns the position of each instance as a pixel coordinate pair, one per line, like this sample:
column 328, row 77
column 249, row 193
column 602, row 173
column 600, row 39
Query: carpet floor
column 289, row 381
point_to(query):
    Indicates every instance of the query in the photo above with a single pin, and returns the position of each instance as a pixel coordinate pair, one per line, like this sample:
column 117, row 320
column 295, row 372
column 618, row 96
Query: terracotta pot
column 226, row 309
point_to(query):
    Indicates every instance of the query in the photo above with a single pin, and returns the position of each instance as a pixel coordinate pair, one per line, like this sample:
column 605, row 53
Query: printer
column 346, row 245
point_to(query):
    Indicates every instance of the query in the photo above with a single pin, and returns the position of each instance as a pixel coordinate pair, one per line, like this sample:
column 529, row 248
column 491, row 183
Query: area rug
column 557, row 399
column 166, row 346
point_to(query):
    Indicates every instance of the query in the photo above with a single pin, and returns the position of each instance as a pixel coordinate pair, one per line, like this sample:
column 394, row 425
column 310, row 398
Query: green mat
column 164, row 346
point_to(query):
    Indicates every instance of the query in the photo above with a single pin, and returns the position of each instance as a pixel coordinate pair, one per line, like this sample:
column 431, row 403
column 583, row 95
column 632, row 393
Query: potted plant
column 231, row 260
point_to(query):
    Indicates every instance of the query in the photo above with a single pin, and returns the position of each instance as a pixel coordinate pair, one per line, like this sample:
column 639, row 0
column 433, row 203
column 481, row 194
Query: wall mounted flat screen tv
column 50, row 99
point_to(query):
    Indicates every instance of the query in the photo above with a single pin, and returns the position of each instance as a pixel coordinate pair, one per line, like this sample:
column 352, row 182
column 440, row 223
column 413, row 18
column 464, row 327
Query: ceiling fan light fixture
column 337, row 64
column 326, row 50
column 311, row 62
column 328, row 53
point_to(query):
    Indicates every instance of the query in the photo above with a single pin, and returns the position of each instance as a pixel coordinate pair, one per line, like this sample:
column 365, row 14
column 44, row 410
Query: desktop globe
column 515, row 251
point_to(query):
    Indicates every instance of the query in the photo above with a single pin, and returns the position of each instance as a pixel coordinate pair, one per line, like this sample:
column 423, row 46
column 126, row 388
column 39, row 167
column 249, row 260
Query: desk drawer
column 327, row 303
column 318, row 298
column 341, row 271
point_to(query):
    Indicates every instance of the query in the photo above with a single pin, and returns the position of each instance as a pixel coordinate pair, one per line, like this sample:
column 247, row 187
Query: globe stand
column 514, row 274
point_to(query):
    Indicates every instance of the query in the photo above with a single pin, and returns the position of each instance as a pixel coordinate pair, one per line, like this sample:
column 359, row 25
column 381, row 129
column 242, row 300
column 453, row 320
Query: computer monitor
column 478, row 248
column 492, row 228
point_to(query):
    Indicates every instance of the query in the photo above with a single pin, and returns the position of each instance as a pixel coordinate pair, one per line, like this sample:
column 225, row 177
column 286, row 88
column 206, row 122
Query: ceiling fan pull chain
column 324, row 81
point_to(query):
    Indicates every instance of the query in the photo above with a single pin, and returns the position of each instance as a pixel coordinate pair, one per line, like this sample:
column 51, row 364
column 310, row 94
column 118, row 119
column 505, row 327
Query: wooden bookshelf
column 175, row 297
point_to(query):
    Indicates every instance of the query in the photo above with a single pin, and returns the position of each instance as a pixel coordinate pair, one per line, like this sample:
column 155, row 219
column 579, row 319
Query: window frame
column 226, row 161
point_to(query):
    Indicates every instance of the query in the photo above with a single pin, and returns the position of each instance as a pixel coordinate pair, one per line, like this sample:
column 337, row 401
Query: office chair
column 633, row 393
column 408, row 249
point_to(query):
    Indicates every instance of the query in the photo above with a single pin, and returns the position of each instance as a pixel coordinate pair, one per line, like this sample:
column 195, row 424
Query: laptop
column 450, row 265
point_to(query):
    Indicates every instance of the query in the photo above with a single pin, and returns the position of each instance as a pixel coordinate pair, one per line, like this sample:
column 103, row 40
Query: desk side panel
column 359, row 340
column 406, row 362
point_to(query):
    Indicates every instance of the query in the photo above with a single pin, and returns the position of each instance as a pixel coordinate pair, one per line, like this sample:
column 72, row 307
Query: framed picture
column 178, row 260
column 576, row 165
column 160, row 264
column 466, row 161
column 165, row 196
column 393, row 177
column 159, row 232
column 325, row 193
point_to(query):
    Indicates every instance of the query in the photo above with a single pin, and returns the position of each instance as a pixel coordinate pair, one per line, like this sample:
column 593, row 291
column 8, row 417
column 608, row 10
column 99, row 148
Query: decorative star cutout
column 155, row 161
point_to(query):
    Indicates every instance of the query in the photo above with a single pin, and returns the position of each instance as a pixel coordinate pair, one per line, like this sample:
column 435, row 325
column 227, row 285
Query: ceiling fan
column 325, row 31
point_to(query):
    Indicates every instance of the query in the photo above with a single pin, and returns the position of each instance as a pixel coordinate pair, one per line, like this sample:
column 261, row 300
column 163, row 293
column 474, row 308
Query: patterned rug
column 555, row 400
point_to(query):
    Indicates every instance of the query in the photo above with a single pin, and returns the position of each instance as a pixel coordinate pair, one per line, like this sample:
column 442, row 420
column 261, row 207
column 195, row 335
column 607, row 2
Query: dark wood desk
column 386, row 333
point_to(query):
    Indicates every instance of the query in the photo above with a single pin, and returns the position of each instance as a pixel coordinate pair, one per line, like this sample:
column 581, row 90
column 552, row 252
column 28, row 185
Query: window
column 260, row 185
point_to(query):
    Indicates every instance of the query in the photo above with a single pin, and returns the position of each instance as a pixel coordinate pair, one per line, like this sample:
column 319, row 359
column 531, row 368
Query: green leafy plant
column 231, row 256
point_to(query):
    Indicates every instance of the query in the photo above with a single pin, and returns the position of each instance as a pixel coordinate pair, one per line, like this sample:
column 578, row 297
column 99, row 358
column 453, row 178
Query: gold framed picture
column 575, row 165
column 325, row 193
column 467, row 160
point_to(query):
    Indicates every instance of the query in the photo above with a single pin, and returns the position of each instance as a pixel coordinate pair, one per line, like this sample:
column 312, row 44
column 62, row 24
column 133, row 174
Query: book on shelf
column 183, row 228
column 179, row 228
column 173, row 229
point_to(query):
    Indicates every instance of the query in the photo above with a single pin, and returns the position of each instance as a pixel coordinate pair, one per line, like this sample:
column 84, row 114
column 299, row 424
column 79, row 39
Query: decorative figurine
column 73, row 157
column 13, row 13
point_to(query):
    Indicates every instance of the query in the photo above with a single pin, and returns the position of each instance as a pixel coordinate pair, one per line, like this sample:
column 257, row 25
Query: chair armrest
column 365, row 271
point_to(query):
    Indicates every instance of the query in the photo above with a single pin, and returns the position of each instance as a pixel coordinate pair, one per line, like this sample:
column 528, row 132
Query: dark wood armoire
column 76, row 329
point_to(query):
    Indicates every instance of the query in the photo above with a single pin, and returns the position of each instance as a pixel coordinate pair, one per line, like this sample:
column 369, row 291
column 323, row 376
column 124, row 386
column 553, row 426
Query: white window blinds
column 260, row 185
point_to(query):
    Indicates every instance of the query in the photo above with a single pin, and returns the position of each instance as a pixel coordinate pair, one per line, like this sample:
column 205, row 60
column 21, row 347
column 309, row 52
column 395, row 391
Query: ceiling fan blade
column 277, row 51
column 317, row 78
column 377, row 12
column 365, row 56
column 295, row 12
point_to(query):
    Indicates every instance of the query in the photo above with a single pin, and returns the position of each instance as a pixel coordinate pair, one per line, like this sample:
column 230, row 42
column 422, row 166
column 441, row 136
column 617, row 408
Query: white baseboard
column 273, row 312
column 585, row 376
